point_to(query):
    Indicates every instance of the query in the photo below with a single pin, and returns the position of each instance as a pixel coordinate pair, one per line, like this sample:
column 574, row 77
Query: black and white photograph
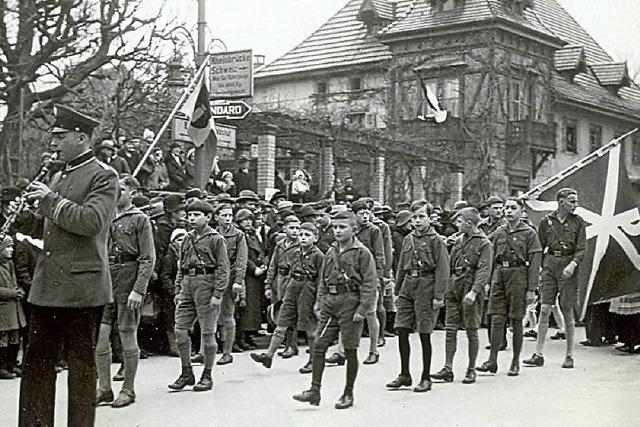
column 270, row 213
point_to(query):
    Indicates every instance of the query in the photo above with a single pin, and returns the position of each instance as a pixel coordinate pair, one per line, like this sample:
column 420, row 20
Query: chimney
column 258, row 61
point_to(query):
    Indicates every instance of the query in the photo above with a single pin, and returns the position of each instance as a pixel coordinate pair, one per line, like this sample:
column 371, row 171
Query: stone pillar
column 456, row 178
column 266, row 159
column 327, row 168
column 377, row 184
column 417, row 178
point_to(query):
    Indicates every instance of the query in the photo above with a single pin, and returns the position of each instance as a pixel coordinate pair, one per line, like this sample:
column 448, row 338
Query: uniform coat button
column 47, row 253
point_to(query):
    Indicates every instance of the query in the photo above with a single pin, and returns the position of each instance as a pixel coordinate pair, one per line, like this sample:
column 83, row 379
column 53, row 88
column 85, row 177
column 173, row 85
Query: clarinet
column 11, row 219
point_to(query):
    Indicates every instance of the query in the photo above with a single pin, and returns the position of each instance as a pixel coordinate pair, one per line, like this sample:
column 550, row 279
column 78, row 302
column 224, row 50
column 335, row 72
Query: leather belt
column 419, row 273
column 202, row 271
column 123, row 259
column 300, row 276
column 341, row 288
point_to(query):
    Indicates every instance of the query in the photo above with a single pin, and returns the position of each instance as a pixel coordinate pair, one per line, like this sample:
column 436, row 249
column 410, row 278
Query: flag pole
column 534, row 192
column 187, row 91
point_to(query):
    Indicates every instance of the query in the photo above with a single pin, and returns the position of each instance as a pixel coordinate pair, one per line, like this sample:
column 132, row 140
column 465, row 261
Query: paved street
column 602, row 390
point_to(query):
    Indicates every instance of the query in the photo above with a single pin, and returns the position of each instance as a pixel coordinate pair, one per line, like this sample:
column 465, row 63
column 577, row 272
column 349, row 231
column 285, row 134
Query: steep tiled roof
column 568, row 58
column 611, row 73
column 421, row 16
column 341, row 41
column 586, row 90
column 384, row 9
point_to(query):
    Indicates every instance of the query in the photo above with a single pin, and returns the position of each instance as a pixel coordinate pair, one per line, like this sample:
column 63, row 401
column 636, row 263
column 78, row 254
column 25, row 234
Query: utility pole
column 202, row 166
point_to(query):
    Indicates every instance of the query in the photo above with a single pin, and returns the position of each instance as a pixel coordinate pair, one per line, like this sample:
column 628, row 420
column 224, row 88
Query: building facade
column 527, row 90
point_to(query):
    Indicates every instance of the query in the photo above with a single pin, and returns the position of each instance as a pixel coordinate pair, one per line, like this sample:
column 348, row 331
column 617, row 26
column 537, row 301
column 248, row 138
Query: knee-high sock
column 210, row 347
column 425, row 340
column 498, row 322
column 184, row 347
column 472, row 337
column 228, row 335
column 278, row 337
column 352, row 370
column 405, row 351
column 374, row 331
column 451, row 342
column 311, row 339
column 131, row 355
column 570, row 329
column 103, row 358
column 543, row 327
column 382, row 322
column 517, row 340
column 131, row 359
column 318, row 368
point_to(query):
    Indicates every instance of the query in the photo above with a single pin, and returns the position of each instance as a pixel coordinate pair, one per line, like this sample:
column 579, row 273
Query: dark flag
column 609, row 206
column 197, row 108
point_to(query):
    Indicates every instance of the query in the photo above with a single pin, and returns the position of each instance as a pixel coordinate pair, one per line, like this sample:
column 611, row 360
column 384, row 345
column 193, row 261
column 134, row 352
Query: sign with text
column 232, row 110
column 232, row 74
column 226, row 134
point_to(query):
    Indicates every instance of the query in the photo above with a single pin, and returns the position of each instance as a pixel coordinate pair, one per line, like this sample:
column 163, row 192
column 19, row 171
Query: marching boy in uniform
column 277, row 275
column 421, row 283
column 346, row 295
column 132, row 257
column 517, row 256
column 203, row 277
column 300, row 296
column 237, row 251
column 471, row 260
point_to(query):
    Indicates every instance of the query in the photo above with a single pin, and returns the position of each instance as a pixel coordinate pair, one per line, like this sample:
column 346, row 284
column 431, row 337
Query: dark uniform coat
column 253, row 284
column 11, row 314
column 422, row 276
column 73, row 268
column 517, row 255
column 471, row 260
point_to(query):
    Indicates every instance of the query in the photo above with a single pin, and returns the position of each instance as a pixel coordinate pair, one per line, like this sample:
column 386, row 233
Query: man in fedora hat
column 71, row 284
column 247, row 199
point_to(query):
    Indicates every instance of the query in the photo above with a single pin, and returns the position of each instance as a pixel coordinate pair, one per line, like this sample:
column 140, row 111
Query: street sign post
column 231, row 110
column 232, row 75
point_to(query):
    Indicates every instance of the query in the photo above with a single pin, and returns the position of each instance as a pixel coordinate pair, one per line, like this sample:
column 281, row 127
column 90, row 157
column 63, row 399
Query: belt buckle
column 557, row 253
column 333, row 289
column 413, row 273
column 191, row 272
column 505, row 264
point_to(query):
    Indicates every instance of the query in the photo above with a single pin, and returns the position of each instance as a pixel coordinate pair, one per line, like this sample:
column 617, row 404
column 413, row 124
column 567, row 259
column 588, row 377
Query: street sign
column 232, row 110
column 232, row 75
column 226, row 134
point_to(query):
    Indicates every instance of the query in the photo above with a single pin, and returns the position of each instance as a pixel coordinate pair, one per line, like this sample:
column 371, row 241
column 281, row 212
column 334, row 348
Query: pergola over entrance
column 335, row 148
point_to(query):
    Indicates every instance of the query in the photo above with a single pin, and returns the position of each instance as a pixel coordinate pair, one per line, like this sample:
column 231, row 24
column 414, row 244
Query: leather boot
column 205, row 383
column 401, row 381
column 125, row 398
column 488, row 367
column 443, row 374
column 186, row 378
column 336, row 359
column 104, row 396
column 346, row 401
column 470, row 377
column 311, row 397
column 423, row 386
column 262, row 358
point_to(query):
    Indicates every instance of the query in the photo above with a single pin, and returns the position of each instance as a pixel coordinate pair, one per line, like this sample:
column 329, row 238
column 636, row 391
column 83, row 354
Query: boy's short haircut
column 419, row 204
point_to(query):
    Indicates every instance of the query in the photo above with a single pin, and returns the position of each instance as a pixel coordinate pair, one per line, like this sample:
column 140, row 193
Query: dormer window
column 517, row 7
column 447, row 5
column 322, row 88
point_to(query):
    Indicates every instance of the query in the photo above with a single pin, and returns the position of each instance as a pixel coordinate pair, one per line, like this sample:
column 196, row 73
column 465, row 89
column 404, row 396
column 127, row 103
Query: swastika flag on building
column 609, row 206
